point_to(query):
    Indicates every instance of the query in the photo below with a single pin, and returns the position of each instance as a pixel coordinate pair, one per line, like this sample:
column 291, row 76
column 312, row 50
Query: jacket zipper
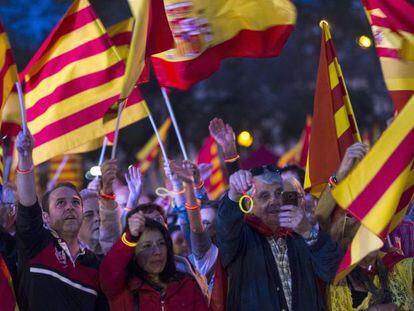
column 162, row 305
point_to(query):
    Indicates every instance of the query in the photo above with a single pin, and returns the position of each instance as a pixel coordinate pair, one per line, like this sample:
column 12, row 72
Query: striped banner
column 71, row 82
column 298, row 154
column 149, row 152
column 392, row 25
column 334, row 127
column 377, row 192
column 72, row 170
column 8, row 69
column 217, row 183
column 206, row 32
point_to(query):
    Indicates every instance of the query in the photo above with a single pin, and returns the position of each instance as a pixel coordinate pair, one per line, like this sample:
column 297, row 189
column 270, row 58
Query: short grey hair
column 268, row 177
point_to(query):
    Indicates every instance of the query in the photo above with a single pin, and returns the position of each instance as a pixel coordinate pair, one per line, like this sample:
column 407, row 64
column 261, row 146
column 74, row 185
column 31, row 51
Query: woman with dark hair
column 139, row 272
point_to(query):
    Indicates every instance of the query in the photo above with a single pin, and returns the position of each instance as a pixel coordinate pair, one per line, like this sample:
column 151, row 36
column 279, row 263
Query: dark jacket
column 183, row 294
column 48, row 278
column 254, row 282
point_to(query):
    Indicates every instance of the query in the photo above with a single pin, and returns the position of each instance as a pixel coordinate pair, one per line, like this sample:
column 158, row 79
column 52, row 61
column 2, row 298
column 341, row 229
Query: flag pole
column 101, row 156
column 174, row 121
column 116, row 133
column 22, row 107
column 62, row 164
column 154, row 127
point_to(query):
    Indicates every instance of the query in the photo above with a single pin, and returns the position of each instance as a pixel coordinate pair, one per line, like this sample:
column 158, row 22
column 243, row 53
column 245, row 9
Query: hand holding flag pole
column 174, row 121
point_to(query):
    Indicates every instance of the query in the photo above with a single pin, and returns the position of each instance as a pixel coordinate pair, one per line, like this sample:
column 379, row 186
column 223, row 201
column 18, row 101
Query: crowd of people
column 113, row 246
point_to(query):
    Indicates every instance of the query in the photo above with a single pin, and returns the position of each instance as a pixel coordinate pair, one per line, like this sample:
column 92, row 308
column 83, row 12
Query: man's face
column 208, row 217
column 89, row 231
column 180, row 245
column 65, row 211
column 267, row 202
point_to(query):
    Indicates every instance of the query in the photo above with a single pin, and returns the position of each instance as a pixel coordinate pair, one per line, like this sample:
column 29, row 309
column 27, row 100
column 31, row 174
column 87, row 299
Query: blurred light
column 364, row 42
column 96, row 171
column 245, row 139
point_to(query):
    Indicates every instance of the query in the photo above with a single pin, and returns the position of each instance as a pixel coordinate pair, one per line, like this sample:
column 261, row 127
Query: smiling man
column 272, row 256
column 56, row 272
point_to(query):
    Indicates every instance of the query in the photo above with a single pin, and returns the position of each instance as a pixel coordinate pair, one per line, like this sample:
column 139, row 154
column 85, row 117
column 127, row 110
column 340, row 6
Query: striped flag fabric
column 11, row 119
column 392, row 25
column 66, row 168
column 216, row 184
column 334, row 127
column 379, row 189
column 149, row 152
column 71, row 82
column 298, row 154
column 206, row 32
column 8, row 298
column 8, row 69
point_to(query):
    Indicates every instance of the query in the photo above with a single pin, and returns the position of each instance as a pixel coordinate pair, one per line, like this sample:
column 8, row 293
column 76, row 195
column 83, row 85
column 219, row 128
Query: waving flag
column 377, row 192
column 8, row 69
column 334, row 127
column 71, row 82
column 216, row 184
column 392, row 24
column 205, row 32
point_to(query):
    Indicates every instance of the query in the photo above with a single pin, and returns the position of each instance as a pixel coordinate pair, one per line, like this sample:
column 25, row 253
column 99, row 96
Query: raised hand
column 206, row 170
column 224, row 136
column 170, row 173
column 109, row 169
column 24, row 146
column 352, row 156
column 240, row 182
column 136, row 224
column 134, row 181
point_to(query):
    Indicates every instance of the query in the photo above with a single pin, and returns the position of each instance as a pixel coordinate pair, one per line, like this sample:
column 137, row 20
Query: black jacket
column 254, row 282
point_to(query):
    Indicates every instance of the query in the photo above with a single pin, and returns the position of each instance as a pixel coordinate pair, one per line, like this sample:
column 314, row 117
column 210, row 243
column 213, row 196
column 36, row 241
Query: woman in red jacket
column 139, row 273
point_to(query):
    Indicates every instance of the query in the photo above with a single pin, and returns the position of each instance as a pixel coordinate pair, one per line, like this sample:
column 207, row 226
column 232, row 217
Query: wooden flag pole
column 62, row 164
column 101, row 156
column 174, row 121
column 22, row 107
column 116, row 133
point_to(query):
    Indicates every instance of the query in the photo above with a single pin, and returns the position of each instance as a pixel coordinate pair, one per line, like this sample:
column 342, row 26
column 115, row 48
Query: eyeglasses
column 261, row 169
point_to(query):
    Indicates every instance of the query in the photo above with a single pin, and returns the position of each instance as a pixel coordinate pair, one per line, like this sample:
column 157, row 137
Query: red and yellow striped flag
column 149, row 152
column 377, row 192
column 71, row 82
column 8, row 298
column 334, row 127
column 206, row 32
column 298, row 154
column 72, row 170
column 8, row 69
column 392, row 24
column 217, row 183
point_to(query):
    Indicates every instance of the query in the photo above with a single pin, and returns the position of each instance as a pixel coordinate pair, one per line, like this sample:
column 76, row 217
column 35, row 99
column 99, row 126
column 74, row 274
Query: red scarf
column 257, row 224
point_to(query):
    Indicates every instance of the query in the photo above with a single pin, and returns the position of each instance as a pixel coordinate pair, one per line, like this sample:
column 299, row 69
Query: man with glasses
column 272, row 255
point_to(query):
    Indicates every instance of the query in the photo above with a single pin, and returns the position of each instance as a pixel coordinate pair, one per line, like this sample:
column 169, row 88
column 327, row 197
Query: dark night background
column 268, row 97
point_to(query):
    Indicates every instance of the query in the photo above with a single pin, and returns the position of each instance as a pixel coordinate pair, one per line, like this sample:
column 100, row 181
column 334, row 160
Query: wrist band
column 198, row 187
column 332, row 182
column 192, row 207
column 178, row 192
column 126, row 242
column 108, row 196
column 232, row 159
column 29, row 170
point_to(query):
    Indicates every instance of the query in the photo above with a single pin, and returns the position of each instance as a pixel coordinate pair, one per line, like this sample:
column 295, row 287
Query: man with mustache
column 273, row 255
column 56, row 272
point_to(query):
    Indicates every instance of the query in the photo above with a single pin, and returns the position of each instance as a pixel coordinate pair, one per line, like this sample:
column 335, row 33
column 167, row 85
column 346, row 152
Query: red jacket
column 180, row 295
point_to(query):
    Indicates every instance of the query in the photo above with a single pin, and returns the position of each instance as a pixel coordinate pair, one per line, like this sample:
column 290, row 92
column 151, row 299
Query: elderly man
column 56, row 272
column 273, row 256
